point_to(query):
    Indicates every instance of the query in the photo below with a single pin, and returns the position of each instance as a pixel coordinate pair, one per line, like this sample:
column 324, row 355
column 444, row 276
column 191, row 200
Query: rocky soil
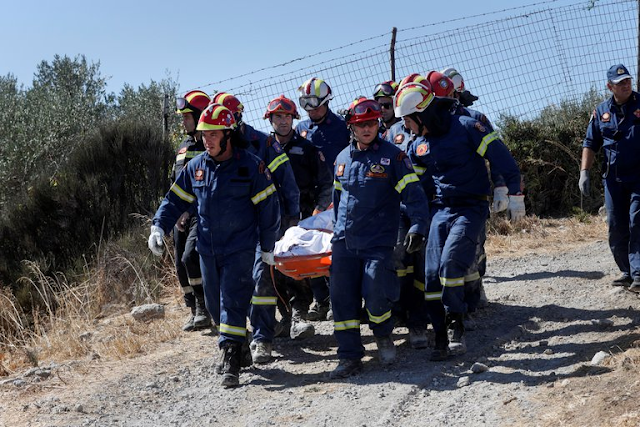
column 529, row 364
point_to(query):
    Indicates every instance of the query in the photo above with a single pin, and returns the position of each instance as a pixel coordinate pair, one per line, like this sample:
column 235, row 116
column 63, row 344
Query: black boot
column 231, row 360
column 441, row 349
column 457, row 342
column 201, row 317
column 189, row 325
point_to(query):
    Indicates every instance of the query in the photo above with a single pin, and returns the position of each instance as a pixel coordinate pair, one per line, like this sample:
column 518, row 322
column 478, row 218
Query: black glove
column 467, row 98
column 413, row 242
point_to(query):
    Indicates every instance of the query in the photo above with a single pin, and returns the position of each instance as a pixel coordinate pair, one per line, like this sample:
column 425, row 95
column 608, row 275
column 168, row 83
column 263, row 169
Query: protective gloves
column 500, row 199
column 413, row 242
column 585, row 182
column 515, row 209
column 156, row 244
column 267, row 258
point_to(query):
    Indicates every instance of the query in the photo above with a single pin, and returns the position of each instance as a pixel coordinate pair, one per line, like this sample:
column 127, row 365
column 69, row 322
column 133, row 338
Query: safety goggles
column 365, row 106
column 279, row 105
column 310, row 102
column 182, row 104
column 383, row 89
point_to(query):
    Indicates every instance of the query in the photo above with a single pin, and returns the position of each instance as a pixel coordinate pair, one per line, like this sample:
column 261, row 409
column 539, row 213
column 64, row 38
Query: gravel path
column 549, row 314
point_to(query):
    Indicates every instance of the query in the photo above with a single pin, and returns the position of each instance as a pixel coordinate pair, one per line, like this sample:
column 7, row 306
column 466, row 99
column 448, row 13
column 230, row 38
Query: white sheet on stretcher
column 321, row 221
column 298, row 241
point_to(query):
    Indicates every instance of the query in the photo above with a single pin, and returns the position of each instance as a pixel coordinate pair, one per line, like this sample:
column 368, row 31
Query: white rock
column 478, row 368
column 143, row 313
column 599, row 358
column 463, row 382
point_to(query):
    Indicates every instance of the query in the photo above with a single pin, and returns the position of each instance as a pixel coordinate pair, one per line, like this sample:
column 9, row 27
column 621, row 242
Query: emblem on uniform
column 303, row 134
column 276, row 147
column 479, row 126
column 385, row 161
column 408, row 163
column 199, row 174
column 637, row 113
column 340, row 170
column 267, row 173
column 377, row 168
column 605, row 117
column 321, row 156
column 261, row 167
column 398, row 138
column 182, row 150
column 422, row 149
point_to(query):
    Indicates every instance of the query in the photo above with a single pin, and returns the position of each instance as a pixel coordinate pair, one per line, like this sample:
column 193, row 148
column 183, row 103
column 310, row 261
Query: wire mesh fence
column 515, row 64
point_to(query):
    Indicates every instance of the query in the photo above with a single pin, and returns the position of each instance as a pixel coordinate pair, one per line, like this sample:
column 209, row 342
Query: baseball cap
column 618, row 73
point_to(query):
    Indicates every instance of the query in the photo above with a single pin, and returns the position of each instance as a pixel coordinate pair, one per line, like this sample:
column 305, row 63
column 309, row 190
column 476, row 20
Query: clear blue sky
column 137, row 41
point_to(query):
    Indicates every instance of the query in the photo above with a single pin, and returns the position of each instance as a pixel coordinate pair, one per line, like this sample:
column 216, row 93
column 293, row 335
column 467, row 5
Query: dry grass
column 534, row 234
column 88, row 316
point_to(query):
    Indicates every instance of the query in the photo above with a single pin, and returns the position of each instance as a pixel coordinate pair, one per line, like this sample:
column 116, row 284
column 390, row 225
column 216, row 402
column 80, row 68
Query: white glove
column 500, row 199
column 267, row 258
column 156, row 244
column 515, row 210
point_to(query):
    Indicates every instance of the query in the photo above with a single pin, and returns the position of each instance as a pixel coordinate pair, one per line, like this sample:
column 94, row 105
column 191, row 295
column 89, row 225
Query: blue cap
column 618, row 73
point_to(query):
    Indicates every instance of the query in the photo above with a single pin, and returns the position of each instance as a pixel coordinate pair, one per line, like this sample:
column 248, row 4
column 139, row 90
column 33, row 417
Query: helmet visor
column 365, row 106
column 278, row 105
column 183, row 104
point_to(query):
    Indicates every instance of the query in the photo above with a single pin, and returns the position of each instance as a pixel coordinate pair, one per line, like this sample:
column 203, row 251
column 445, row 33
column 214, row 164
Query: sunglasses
column 383, row 89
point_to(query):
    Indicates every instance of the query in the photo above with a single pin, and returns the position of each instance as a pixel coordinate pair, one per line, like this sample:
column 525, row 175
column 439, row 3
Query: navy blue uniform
column 330, row 136
column 616, row 130
column 237, row 210
column 369, row 186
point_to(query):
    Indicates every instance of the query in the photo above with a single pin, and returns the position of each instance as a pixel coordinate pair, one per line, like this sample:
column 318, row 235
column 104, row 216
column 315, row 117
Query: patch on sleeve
column 182, row 150
column 408, row 164
column 340, row 170
column 401, row 156
column 479, row 126
column 606, row 117
column 422, row 149
column 399, row 138
column 303, row 134
column 199, row 175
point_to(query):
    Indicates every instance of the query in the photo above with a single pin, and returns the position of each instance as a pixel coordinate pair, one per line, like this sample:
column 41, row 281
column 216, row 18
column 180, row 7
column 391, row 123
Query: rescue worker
column 185, row 232
column 328, row 132
column 265, row 299
column 453, row 150
column 315, row 182
column 234, row 196
column 383, row 93
column 612, row 128
column 372, row 177
column 465, row 97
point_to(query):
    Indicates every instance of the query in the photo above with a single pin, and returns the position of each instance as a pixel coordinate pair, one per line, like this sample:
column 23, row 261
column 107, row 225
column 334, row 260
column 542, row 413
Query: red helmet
column 363, row 110
column 194, row 101
column 229, row 101
column 281, row 105
column 414, row 78
column 440, row 84
column 383, row 89
column 216, row 117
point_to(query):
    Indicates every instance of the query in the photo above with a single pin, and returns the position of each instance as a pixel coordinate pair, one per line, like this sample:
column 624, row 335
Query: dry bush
column 74, row 317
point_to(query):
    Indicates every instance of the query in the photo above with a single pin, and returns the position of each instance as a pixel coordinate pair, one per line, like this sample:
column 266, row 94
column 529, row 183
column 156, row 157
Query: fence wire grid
column 516, row 65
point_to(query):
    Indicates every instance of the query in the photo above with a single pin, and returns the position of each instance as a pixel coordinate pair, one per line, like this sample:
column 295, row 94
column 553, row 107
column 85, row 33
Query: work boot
column 457, row 342
column 318, row 310
column 469, row 322
column 201, row 317
column 300, row 313
column 440, row 350
column 635, row 285
column 624, row 280
column 346, row 368
column 246, row 358
column 261, row 351
column 483, row 301
column 386, row 350
column 282, row 328
column 189, row 326
column 230, row 369
column 301, row 330
column 418, row 338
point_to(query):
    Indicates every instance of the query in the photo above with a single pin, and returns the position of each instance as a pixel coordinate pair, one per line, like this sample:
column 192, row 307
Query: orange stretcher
column 304, row 266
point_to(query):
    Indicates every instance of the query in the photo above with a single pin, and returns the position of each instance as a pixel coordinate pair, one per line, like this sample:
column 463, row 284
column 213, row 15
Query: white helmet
column 412, row 98
column 314, row 93
column 456, row 77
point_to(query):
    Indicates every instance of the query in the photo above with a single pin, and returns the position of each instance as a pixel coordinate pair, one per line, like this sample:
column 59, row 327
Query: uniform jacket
column 368, row 188
column 269, row 151
column 312, row 174
column 235, row 200
column 399, row 136
column 188, row 149
column 330, row 136
column 456, row 160
column 616, row 129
